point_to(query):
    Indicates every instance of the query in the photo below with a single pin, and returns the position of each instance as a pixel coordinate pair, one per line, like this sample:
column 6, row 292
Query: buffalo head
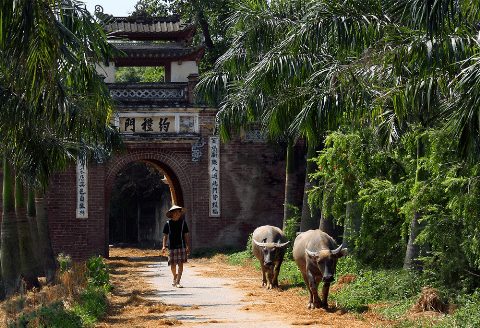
column 271, row 251
column 326, row 261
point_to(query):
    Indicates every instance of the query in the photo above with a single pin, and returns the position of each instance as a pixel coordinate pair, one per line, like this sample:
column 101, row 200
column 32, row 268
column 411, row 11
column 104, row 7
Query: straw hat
column 175, row 208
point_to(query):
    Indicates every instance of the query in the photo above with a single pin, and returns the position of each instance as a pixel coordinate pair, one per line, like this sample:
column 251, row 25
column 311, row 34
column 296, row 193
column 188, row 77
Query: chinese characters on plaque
column 157, row 124
column 214, row 172
column 82, row 188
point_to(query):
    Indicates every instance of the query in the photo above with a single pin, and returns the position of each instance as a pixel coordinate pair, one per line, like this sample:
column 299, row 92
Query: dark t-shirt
column 174, row 231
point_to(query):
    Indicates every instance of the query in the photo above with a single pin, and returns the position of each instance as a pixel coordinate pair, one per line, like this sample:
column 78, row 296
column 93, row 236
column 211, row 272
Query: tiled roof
column 155, row 53
column 154, row 28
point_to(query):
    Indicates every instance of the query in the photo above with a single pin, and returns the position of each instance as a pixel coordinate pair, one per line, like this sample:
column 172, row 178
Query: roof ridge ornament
column 140, row 7
column 140, row 13
column 98, row 9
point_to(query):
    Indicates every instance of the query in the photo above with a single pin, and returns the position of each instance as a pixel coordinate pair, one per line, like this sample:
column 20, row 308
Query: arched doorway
column 143, row 221
column 140, row 197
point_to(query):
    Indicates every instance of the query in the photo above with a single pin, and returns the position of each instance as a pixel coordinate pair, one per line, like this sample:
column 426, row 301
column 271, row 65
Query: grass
column 374, row 286
column 210, row 252
column 77, row 301
column 53, row 315
column 240, row 258
column 467, row 315
column 389, row 293
column 91, row 306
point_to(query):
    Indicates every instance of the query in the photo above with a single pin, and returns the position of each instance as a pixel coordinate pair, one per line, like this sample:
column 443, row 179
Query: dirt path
column 277, row 308
column 215, row 295
column 207, row 301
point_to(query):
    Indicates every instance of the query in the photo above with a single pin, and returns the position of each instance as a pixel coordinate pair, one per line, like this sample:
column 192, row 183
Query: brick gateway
column 163, row 126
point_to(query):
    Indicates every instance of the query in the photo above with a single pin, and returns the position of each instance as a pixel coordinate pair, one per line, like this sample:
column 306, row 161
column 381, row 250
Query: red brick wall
column 80, row 238
column 252, row 193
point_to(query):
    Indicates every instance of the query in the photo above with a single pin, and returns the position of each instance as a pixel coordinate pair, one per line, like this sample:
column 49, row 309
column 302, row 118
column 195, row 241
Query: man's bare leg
column 179, row 274
column 173, row 267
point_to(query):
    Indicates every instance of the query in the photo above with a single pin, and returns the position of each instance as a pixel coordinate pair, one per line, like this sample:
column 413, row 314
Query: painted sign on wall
column 214, row 172
column 131, row 123
column 159, row 124
column 82, row 188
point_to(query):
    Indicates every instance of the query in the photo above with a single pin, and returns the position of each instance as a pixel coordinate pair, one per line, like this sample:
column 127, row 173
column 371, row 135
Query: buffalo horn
column 282, row 244
column 259, row 244
column 337, row 250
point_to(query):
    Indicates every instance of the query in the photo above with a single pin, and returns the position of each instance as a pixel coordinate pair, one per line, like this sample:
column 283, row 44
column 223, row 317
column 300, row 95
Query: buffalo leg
column 275, row 276
column 313, row 285
column 264, row 278
column 313, row 282
column 325, row 290
column 310, row 301
column 269, row 277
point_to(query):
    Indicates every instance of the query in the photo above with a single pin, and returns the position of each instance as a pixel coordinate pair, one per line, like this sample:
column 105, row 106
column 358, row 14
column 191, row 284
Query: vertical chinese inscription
column 82, row 188
column 214, row 172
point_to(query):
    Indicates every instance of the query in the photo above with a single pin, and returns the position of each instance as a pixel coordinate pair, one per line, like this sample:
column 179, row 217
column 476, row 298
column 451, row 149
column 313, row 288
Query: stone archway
column 173, row 167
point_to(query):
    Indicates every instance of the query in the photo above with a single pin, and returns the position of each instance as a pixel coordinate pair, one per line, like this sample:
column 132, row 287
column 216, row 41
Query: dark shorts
column 178, row 255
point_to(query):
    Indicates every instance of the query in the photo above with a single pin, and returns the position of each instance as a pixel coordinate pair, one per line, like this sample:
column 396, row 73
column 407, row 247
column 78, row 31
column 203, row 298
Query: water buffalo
column 268, row 245
column 316, row 254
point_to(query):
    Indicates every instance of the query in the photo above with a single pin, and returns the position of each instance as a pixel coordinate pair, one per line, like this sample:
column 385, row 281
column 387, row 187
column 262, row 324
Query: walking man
column 176, row 233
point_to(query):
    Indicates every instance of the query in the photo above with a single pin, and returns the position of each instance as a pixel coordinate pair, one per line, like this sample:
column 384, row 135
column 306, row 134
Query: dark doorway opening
column 140, row 198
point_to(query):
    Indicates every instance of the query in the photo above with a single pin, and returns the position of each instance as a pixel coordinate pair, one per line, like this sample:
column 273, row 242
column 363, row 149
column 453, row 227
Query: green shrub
column 374, row 286
column 239, row 258
column 396, row 310
column 291, row 228
column 64, row 262
column 289, row 274
column 51, row 316
column 347, row 265
column 249, row 247
column 467, row 315
column 97, row 273
column 92, row 305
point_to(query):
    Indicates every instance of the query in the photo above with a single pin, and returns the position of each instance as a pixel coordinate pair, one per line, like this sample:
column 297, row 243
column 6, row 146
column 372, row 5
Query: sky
column 112, row 7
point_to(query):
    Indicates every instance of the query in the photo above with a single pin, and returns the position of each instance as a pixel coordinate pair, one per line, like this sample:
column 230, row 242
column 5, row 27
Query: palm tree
column 289, row 66
column 9, row 238
column 28, row 264
column 53, row 101
column 424, row 53
column 302, row 68
column 254, row 28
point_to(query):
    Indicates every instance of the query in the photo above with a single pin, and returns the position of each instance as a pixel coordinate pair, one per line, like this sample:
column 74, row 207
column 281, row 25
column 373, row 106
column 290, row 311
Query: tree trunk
column 289, row 184
column 310, row 216
column 353, row 221
column 44, row 242
column 411, row 261
column 32, row 221
column 200, row 18
column 327, row 225
column 27, row 257
column 9, row 235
